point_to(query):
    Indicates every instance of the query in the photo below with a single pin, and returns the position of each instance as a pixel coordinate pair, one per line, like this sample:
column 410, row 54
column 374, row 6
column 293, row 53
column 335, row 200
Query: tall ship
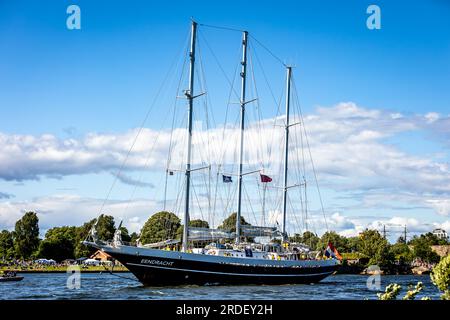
column 247, row 254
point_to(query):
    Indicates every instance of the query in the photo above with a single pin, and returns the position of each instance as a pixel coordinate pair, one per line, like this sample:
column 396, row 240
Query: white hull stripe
column 232, row 273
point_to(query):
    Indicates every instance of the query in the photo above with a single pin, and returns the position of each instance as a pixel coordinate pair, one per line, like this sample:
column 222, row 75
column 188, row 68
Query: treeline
column 372, row 248
column 59, row 243
column 65, row 242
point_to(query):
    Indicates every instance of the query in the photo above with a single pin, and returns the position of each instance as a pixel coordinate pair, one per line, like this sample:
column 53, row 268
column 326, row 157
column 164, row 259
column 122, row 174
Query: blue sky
column 101, row 79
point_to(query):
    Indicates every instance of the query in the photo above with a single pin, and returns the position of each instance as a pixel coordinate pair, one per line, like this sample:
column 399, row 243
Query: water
column 107, row 286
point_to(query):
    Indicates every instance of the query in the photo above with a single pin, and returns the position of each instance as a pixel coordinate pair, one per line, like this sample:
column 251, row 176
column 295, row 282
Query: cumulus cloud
column 74, row 210
column 349, row 145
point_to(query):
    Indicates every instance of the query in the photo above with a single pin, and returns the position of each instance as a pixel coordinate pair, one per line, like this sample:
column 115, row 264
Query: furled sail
column 256, row 231
column 209, row 234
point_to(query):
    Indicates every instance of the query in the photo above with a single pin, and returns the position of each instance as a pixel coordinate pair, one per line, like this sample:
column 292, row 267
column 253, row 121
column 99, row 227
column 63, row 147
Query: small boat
column 15, row 278
column 10, row 276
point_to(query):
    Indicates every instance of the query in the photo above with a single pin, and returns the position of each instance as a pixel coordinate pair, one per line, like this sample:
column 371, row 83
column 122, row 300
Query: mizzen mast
column 286, row 149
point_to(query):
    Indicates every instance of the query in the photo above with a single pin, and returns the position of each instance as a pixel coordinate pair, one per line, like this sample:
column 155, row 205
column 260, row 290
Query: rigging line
column 250, row 204
column 278, row 104
column 297, row 224
column 169, row 156
column 268, row 50
column 139, row 180
column 310, row 156
column 258, row 108
column 220, row 27
column 220, row 65
column 137, row 135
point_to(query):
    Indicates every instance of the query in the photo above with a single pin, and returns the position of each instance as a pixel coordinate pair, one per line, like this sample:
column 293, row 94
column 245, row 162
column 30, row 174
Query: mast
column 241, row 150
column 286, row 149
column 190, row 96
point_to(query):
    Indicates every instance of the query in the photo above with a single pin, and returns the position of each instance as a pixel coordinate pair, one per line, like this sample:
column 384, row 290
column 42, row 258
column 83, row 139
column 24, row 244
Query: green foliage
column 353, row 244
column 413, row 292
column 376, row 249
column 199, row 224
column 308, row 238
column 338, row 241
column 422, row 249
column 391, row 292
column 105, row 231
column 125, row 234
column 6, row 245
column 133, row 237
column 105, row 227
column 26, row 235
column 229, row 224
column 402, row 252
column 59, row 244
column 429, row 238
column 160, row 226
column 441, row 277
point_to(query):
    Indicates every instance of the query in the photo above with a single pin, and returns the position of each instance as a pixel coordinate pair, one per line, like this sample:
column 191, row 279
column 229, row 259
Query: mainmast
column 286, row 149
column 190, row 96
column 241, row 150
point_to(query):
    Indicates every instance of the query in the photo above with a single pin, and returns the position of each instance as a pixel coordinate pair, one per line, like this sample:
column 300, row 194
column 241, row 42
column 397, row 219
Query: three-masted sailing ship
column 223, row 262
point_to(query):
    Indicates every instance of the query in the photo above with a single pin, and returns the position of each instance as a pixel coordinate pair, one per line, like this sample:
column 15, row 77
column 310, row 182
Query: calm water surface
column 124, row 286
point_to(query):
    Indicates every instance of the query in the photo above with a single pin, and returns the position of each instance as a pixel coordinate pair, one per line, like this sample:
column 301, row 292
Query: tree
column 229, row 224
column 160, row 226
column 125, row 234
column 81, row 234
column 402, row 252
column 105, row 231
column 199, row 224
column 422, row 249
column 441, row 277
column 308, row 238
column 376, row 248
column 6, row 245
column 59, row 243
column 353, row 244
column 133, row 237
column 105, row 227
column 26, row 235
column 338, row 241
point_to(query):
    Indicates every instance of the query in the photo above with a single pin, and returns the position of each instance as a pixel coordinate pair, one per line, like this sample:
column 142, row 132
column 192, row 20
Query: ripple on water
column 107, row 286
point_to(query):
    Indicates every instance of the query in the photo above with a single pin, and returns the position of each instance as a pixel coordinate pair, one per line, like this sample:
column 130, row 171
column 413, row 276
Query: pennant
column 265, row 178
column 226, row 179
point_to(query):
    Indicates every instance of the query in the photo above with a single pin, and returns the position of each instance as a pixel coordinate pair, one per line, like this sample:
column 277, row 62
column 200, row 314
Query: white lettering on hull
column 157, row 262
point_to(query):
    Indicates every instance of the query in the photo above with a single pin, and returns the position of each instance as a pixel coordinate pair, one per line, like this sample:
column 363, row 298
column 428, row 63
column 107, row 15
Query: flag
column 331, row 251
column 265, row 178
column 226, row 179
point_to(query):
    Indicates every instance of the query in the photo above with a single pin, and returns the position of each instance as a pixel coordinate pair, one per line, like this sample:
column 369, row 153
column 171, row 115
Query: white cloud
column 73, row 210
column 441, row 206
column 348, row 145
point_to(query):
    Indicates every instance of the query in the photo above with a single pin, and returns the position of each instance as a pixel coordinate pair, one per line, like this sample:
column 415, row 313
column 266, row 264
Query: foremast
column 190, row 97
